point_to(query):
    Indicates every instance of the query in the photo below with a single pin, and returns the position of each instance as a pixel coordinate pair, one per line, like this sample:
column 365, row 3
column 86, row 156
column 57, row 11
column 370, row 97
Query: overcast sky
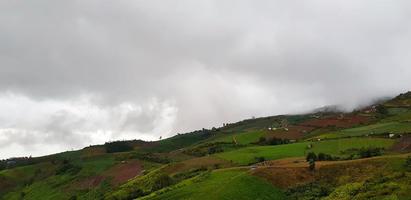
column 81, row 72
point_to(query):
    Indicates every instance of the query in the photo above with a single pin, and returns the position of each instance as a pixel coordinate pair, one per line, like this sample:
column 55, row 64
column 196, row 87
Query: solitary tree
column 311, row 156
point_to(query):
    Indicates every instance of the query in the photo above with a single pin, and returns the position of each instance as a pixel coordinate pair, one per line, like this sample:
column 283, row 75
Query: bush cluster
column 321, row 157
column 352, row 154
column 118, row 146
column 207, row 149
column 363, row 152
column 272, row 141
column 66, row 167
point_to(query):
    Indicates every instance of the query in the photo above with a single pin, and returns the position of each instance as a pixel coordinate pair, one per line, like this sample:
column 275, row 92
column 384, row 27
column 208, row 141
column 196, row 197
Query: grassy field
column 335, row 147
column 374, row 129
column 178, row 141
column 45, row 189
column 398, row 115
column 225, row 184
column 242, row 138
column 248, row 155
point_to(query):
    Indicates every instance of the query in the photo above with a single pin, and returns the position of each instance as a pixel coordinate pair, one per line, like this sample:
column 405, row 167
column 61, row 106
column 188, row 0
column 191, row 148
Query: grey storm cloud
column 74, row 73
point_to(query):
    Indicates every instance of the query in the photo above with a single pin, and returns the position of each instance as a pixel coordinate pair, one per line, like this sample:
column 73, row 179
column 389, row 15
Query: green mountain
column 326, row 154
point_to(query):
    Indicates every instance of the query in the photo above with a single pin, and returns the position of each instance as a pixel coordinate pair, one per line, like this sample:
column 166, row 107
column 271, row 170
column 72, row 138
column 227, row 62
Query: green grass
column 401, row 115
column 225, row 184
column 335, row 147
column 178, row 141
column 47, row 185
column 374, row 129
column 248, row 155
column 94, row 165
column 242, row 138
column 42, row 190
column 19, row 172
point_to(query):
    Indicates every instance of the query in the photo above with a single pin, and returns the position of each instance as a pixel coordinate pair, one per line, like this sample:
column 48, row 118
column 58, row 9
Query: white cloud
column 40, row 127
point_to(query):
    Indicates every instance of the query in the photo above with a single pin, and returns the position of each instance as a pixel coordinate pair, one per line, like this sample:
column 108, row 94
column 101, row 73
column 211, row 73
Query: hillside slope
column 359, row 155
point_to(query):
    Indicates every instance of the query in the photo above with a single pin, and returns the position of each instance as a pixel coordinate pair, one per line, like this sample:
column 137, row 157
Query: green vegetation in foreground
column 243, row 138
column 248, row 155
column 385, row 178
column 223, row 184
column 374, row 129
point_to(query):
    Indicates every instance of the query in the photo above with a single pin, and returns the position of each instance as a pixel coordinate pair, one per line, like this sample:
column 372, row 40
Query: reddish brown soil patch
column 293, row 132
column 90, row 182
column 403, row 145
column 340, row 121
column 123, row 172
column 118, row 174
column 285, row 177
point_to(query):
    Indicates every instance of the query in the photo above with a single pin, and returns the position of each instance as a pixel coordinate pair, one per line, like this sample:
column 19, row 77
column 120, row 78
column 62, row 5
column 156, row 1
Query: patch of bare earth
column 403, row 145
column 90, row 182
column 117, row 174
column 123, row 172
column 340, row 121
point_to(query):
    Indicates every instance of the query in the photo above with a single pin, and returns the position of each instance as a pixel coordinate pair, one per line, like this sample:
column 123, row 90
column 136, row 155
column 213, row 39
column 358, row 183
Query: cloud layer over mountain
column 74, row 73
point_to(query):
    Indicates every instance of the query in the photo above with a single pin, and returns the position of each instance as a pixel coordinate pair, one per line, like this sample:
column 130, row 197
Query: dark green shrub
column 277, row 141
column 260, row 159
column 262, row 140
column 311, row 156
column 324, row 157
column 67, row 168
column 370, row 152
column 118, row 146
column 272, row 141
column 215, row 149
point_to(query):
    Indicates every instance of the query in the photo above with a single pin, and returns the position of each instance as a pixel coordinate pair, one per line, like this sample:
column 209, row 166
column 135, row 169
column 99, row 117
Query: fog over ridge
column 75, row 73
